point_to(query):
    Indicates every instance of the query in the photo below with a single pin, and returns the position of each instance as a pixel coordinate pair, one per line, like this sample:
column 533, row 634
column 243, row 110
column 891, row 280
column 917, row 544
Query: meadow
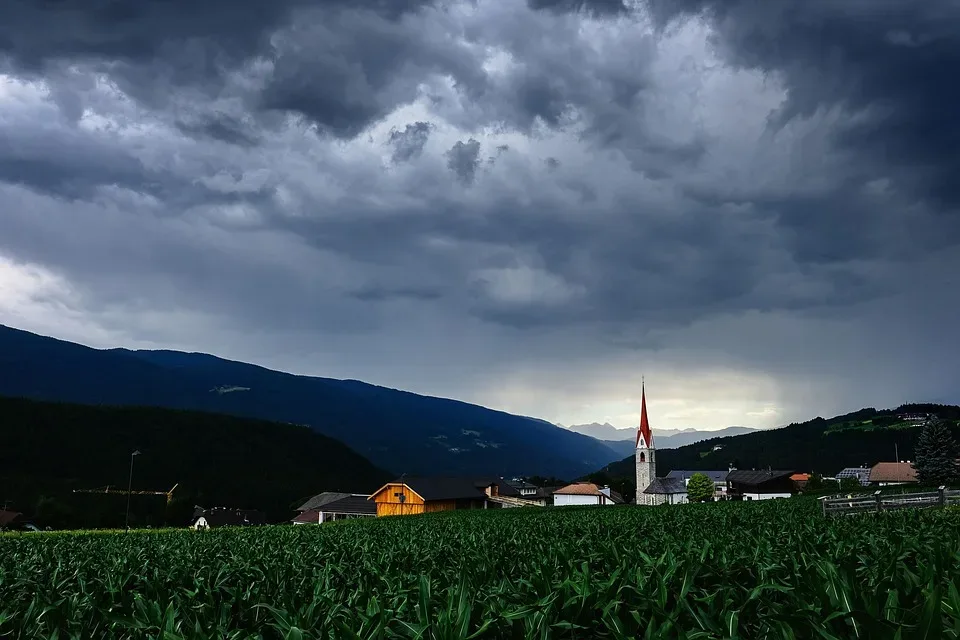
column 730, row 570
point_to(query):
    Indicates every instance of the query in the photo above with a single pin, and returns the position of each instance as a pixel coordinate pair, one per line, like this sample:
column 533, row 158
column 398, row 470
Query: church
column 646, row 456
column 652, row 490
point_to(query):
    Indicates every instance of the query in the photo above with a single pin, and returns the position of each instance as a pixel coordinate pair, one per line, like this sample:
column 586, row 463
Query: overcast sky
column 528, row 204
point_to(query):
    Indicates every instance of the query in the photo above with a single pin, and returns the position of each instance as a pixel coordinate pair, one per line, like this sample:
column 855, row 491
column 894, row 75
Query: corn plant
column 712, row 571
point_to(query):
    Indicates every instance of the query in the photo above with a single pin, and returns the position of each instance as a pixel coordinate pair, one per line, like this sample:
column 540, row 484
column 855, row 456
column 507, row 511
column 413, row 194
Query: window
column 643, row 457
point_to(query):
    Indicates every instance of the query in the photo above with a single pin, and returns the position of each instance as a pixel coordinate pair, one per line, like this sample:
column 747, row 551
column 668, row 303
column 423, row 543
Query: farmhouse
column 762, row 484
column 330, row 506
column 585, row 493
column 415, row 495
column 889, row 473
column 226, row 517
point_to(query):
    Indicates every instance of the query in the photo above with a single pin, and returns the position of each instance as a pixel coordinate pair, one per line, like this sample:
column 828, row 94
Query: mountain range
column 398, row 431
column 622, row 440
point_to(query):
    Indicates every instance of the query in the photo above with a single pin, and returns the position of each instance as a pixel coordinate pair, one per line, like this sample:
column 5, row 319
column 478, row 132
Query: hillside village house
column 331, row 506
column 891, row 473
column 415, row 495
column 585, row 493
column 759, row 484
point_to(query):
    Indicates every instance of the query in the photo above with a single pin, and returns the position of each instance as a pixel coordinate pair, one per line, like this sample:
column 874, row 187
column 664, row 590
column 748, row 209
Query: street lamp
column 126, row 520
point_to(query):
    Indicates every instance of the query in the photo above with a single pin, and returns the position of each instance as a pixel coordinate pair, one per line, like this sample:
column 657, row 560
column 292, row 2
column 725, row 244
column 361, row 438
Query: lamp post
column 126, row 520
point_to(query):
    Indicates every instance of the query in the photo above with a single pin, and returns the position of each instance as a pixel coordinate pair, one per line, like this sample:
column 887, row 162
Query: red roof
column 579, row 489
column 644, row 435
column 893, row 472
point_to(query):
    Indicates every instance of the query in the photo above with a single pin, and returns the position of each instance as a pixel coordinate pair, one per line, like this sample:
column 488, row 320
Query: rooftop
column 683, row 474
column 893, row 472
column 666, row 485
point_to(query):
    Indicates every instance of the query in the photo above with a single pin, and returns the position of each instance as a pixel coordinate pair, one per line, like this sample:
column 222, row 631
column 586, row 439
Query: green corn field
column 728, row 570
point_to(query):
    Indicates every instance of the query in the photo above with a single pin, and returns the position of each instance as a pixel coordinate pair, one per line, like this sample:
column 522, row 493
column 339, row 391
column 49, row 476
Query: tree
column 814, row 483
column 848, row 485
column 700, row 488
column 936, row 454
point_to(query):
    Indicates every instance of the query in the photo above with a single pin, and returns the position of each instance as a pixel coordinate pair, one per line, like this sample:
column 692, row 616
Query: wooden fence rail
column 877, row 502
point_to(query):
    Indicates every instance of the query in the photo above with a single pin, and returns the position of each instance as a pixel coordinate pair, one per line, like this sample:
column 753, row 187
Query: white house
column 585, row 493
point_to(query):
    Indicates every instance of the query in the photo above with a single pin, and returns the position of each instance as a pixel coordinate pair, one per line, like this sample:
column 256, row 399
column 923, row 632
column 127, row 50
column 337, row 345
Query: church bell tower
column 646, row 453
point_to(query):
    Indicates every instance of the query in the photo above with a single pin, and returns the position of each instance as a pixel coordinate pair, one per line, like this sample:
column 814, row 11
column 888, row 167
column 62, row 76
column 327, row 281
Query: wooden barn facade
column 416, row 495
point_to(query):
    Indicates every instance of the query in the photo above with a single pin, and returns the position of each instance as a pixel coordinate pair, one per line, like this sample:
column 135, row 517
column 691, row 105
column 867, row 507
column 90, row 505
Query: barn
column 415, row 495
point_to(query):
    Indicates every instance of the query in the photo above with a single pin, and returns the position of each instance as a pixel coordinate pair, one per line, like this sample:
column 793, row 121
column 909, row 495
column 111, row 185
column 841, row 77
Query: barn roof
column 683, row 474
column 452, row 487
column 321, row 499
column 757, row 476
column 355, row 504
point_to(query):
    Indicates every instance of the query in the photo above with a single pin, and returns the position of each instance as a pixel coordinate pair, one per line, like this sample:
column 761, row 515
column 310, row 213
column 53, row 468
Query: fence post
column 823, row 504
column 942, row 490
column 879, row 500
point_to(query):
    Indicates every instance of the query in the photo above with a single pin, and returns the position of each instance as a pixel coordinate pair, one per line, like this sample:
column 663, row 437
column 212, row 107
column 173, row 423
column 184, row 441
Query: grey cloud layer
column 577, row 179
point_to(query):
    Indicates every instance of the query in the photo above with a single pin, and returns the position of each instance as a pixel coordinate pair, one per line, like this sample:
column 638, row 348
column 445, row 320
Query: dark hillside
column 49, row 449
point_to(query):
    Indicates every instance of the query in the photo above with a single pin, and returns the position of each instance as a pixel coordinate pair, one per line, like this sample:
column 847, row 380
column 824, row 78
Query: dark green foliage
column 399, row 431
column 806, row 447
column 850, row 484
column 936, row 455
column 730, row 570
column 815, row 484
column 48, row 449
column 700, row 488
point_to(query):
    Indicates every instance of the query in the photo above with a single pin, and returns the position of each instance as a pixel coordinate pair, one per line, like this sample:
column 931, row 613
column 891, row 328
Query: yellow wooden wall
column 388, row 503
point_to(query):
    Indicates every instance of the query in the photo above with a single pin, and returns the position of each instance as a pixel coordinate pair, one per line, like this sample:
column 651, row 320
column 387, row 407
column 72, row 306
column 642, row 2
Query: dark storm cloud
column 343, row 70
column 601, row 7
column 464, row 159
column 892, row 64
column 408, row 144
column 221, row 127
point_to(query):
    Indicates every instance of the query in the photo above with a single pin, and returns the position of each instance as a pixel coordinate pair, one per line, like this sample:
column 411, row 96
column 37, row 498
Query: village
column 414, row 495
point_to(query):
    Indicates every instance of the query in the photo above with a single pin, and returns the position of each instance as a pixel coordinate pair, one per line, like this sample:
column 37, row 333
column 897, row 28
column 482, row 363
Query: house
column 543, row 496
column 862, row 474
column 524, row 488
column 889, row 473
column 414, row 495
column 719, row 480
column 666, row 491
column 330, row 506
column 800, row 480
column 759, row 484
column 225, row 517
column 585, row 493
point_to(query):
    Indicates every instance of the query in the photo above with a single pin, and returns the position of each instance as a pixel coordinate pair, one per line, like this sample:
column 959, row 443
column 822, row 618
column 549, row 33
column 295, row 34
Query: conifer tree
column 936, row 454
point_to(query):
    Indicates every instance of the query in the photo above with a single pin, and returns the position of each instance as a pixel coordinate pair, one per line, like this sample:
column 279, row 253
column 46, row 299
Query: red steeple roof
column 644, row 435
